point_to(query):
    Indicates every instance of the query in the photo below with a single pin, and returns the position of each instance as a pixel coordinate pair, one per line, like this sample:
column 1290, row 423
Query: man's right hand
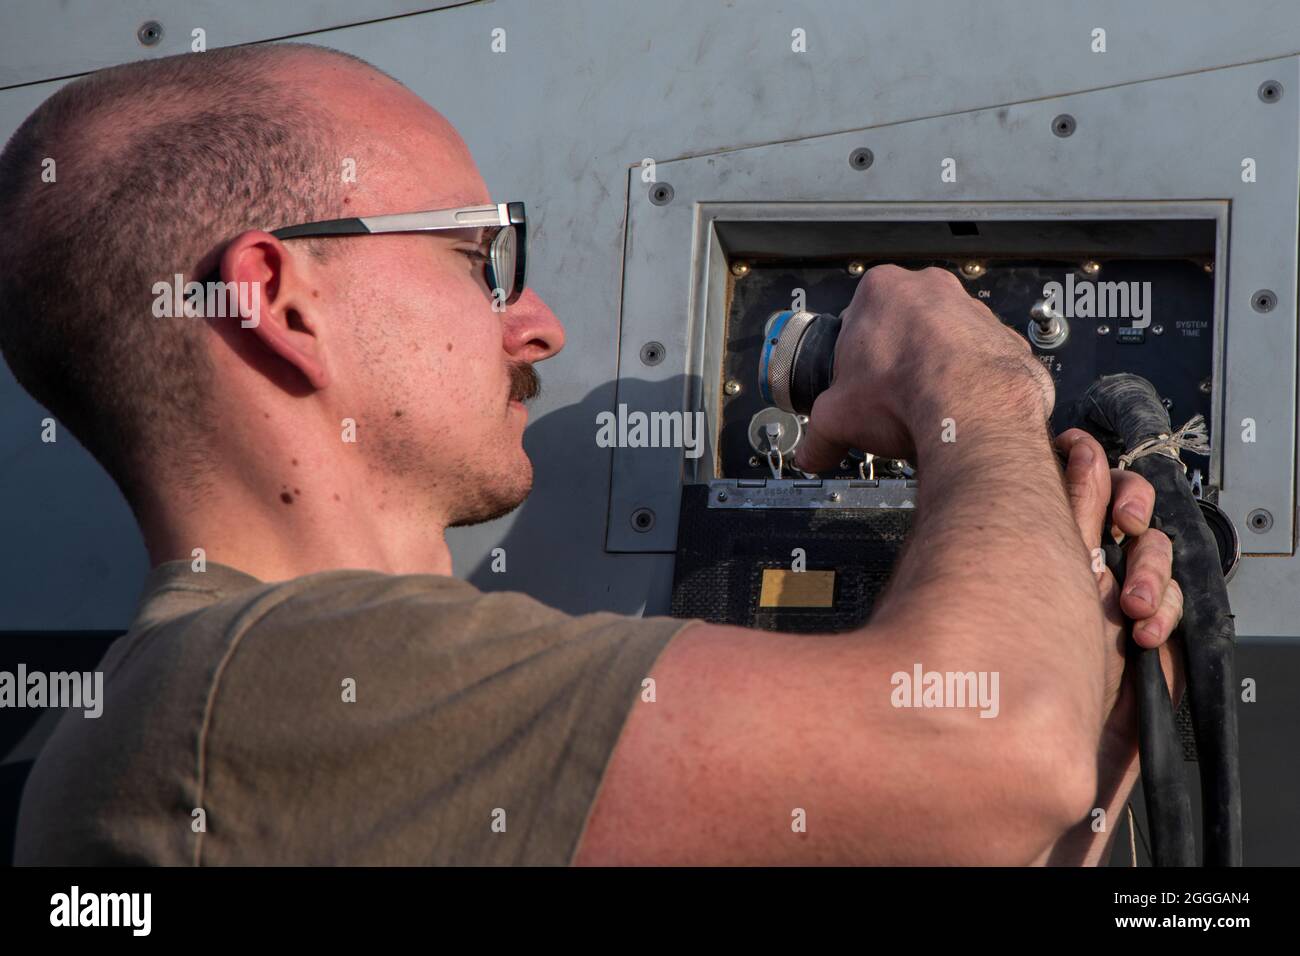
column 753, row 731
column 916, row 348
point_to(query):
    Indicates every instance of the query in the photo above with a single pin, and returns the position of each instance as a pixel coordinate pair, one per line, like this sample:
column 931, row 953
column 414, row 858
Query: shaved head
column 378, row 397
column 127, row 177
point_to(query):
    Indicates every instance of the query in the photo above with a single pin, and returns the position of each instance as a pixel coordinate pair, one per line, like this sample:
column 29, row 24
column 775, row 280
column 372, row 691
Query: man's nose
column 532, row 332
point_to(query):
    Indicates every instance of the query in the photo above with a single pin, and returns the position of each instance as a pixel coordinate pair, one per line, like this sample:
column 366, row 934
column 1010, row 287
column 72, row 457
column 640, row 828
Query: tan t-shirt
column 480, row 731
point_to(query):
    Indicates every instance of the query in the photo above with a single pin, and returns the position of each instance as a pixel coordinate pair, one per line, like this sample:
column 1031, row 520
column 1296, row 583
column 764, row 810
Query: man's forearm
column 996, row 575
column 1085, row 844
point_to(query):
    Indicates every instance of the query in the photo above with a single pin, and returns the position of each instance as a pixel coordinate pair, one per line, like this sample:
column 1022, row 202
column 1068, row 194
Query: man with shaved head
column 305, row 682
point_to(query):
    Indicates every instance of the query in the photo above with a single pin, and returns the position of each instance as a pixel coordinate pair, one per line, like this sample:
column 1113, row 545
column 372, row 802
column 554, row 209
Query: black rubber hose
column 1169, row 808
column 1122, row 411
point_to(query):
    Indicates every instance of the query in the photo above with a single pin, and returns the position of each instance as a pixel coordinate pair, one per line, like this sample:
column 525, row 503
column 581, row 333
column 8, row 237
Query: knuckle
column 880, row 275
column 1160, row 545
column 1141, row 485
column 943, row 277
column 1069, row 437
column 1137, row 489
column 1153, row 541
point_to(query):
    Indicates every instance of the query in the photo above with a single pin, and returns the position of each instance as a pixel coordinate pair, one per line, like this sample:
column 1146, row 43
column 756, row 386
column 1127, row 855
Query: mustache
column 525, row 383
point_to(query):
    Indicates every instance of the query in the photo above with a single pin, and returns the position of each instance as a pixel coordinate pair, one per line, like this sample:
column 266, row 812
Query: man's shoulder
column 394, row 712
column 422, row 619
column 378, row 697
column 371, row 604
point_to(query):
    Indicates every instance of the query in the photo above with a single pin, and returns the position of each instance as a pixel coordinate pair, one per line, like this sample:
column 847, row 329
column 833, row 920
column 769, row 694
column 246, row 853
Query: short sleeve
column 372, row 720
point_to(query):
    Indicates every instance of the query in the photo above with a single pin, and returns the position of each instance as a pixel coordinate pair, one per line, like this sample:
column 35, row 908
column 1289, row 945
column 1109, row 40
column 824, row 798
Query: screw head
column 150, row 33
column 1103, row 330
column 1063, row 125
column 732, row 387
column 652, row 353
column 1091, row 267
column 740, row 269
column 972, row 269
column 1263, row 301
column 1205, row 386
column 1259, row 520
column 1157, row 330
column 834, row 496
column 861, row 158
column 661, row 194
column 1208, row 266
column 722, row 495
column 643, row 519
column 856, row 268
column 1270, row 91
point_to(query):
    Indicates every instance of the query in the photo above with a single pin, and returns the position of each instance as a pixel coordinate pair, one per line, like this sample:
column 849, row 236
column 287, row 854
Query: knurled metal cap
column 780, row 363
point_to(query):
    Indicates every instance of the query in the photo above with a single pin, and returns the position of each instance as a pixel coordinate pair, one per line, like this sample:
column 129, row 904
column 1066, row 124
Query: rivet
column 861, row 158
column 150, row 33
column 1259, row 520
column 652, row 353
column 661, row 194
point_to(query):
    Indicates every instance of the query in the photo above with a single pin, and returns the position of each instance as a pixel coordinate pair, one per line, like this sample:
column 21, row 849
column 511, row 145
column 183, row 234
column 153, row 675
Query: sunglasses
column 505, row 236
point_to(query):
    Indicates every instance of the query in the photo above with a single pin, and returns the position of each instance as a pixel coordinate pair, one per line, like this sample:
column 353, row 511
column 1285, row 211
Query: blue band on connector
column 769, row 342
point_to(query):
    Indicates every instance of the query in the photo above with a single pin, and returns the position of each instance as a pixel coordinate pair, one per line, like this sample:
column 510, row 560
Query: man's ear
column 276, row 304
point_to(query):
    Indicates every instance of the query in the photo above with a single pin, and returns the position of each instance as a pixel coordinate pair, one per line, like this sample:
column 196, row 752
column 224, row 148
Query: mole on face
column 294, row 460
column 398, row 413
column 448, row 346
column 286, row 497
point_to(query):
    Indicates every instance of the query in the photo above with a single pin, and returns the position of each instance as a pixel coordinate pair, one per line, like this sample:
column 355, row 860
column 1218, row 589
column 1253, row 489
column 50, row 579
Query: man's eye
column 474, row 255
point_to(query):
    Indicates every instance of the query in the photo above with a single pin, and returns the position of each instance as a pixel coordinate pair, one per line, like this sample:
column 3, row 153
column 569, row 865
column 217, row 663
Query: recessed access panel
column 1116, row 295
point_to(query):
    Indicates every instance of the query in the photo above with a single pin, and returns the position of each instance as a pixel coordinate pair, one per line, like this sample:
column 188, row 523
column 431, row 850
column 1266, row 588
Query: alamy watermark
column 922, row 688
column 65, row 689
column 651, row 430
column 221, row 300
column 75, row 908
column 1086, row 299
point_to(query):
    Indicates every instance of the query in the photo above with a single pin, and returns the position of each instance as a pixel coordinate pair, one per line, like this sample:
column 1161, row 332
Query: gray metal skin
column 714, row 94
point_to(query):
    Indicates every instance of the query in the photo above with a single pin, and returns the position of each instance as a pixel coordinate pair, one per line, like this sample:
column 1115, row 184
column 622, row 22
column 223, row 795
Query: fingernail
column 1133, row 512
column 1084, row 452
column 1140, row 592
